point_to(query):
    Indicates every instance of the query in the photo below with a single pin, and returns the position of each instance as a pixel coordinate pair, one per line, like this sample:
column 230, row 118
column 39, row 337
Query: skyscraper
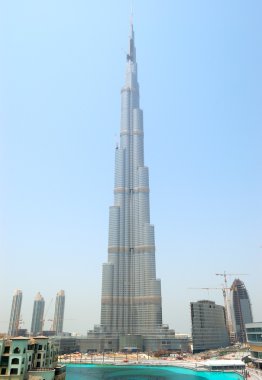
column 131, row 293
column 59, row 312
column 38, row 315
column 15, row 313
column 240, row 309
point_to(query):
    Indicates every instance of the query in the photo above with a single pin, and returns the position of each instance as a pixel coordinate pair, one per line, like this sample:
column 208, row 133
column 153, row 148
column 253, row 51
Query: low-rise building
column 254, row 339
column 224, row 365
column 113, row 343
column 23, row 358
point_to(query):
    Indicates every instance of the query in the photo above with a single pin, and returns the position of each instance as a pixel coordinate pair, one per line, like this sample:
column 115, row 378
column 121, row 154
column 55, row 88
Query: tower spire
column 131, row 293
column 132, row 18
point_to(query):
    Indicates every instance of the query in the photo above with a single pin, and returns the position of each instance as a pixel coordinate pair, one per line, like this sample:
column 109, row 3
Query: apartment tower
column 59, row 312
column 38, row 315
column 15, row 313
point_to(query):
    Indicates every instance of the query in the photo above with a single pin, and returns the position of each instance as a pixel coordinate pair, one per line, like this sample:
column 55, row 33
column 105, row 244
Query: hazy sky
column 62, row 65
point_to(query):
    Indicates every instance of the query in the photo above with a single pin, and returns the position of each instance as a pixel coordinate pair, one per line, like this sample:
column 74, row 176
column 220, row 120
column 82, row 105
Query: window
column 14, row 371
column 38, row 356
column 3, row 371
column 40, row 347
column 38, row 365
column 7, row 350
column 15, row 361
column 17, row 350
column 23, row 361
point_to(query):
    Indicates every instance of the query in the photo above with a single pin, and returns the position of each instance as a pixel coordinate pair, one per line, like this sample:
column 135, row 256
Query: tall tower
column 38, row 314
column 240, row 309
column 15, row 313
column 59, row 312
column 131, row 293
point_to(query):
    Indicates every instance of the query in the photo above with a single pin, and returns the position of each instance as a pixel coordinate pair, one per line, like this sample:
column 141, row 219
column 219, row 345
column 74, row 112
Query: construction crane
column 227, row 301
column 60, row 319
column 18, row 324
column 45, row 315
column 222, row 288
column 225, row 275
column 228, row 320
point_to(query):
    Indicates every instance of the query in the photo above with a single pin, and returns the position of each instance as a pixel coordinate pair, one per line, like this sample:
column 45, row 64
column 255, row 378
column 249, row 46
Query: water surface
column 136, row 372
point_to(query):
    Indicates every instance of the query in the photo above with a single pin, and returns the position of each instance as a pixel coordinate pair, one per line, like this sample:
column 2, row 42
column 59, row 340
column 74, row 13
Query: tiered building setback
column 131, row 293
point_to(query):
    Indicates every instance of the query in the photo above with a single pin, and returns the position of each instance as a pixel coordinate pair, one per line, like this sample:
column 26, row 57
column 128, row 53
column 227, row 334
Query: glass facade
column 131, row 293
column 254, row 339
column 240, row 309
column 15, row 313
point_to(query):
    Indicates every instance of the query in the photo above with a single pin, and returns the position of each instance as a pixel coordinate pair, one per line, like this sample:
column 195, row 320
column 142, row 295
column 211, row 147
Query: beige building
column 32, row 359
column 254, row 340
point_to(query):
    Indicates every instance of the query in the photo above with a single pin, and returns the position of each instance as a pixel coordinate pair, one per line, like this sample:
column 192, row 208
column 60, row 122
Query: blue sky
column 62, row 66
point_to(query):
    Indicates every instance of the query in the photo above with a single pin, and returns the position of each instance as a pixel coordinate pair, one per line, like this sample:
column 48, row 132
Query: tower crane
column 45, row 315
column 224, row 289
column 227, row 301
column 225, row 275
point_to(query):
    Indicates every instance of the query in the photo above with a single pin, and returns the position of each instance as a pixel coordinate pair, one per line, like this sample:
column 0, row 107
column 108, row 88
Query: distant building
column 240, row 309
column 38, row 315
column 209, row 328
column 23, row 358
column 254, row 339
column 83, row 344
column 15, row 313
column 23, row 332
column 49, row 333
column 59, row 312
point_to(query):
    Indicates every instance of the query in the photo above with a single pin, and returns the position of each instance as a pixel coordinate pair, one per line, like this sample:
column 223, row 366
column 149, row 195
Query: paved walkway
column 255, row 374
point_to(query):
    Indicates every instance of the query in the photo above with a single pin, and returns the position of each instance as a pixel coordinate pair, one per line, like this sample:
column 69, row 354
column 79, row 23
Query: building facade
column 59, row 312
column 209, row 329
column 112, row 343
column 24, row 358
column 38, row 315
column 241, row 311
column 131, row 293
column 254, row 340
column 15, row 313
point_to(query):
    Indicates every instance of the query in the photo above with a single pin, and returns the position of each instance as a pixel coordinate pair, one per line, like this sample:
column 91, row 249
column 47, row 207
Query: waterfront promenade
column 120, row 359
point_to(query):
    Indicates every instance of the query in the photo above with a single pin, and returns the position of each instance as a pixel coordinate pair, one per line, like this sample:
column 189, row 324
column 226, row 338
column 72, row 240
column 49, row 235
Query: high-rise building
column 209, row 329
column 131, row 293
column 59, row 312
column 38, row 315
column 15, row 313
column 131, row 302
column 241, row 311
